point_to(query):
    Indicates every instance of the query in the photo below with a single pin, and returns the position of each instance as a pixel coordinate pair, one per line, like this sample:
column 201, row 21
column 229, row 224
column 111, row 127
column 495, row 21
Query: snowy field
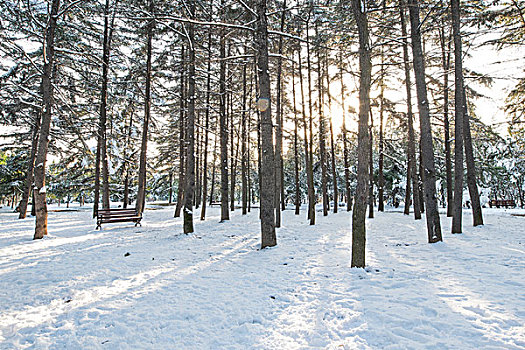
column 152, row 288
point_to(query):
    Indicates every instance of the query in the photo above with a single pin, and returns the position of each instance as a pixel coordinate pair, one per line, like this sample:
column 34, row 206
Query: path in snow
column 216, row 290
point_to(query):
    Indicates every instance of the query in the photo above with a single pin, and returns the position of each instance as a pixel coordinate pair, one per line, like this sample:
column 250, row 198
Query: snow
column 152, row 287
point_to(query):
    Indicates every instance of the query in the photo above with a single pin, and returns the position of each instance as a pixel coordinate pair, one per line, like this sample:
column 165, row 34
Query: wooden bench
column 507, row 203
column 106, row 216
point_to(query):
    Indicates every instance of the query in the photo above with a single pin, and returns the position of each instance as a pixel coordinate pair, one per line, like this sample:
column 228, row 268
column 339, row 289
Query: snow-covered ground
column 152, row 288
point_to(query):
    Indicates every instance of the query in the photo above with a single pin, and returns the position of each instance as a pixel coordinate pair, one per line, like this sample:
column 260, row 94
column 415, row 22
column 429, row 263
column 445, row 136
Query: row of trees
column 252, row 90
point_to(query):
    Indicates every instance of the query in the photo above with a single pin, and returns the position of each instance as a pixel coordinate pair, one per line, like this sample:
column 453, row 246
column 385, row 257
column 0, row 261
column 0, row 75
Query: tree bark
column 43, row 140
column 170, row 190
column 296, row 145
column 371, row 168
column 460, row 109
column 332, row 143
column 345, row 138
column 127, row 162
column 102, row 135
column 268, row 236
column 182, row 152
column 279, row 129
column 206, row 130
column 429, row 175
column 312, row 199
column 477, row 216
column 189, row 189
column 141, row 193
column 308, row 164
column 225, row 213
column 198, row 165
column 213, row 172
column 380, row 177
column 412, row 181
column 244, row 150
column 365, row 69
column 445, row 57
column 322, row 128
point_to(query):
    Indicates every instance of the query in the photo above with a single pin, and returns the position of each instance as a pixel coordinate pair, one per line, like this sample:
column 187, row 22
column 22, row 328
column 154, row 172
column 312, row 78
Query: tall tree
column 296, row 144
column 47, row 105
column 412, row 185
column 345, row 138
column 244, row 149
column 267, row 189
column 102, row 136
column 445, row 61
column 381, row 156
column 279, row 128
column 206, row 129
column 126, row 166
column 308, row 163
column 141, row 192
column 371, row 198
column 322, row 127
column 312, row 199
column 189, row 188
column 427, row 149
column 225, row 213
column 477, row 216
column 332, row 143
column 182, row 152
column 365, row 70
column 460, row 109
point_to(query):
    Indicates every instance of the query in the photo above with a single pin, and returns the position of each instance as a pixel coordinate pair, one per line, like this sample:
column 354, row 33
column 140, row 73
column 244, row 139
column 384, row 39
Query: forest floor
column 151, row 287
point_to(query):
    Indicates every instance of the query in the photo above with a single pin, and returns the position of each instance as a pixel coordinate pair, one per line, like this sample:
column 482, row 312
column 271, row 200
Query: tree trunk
column 141, row 193
column 43, row 140
column 477, row 216
column 460, row 109
column 127, row 162
column 233, row 158
column 102, row 135
column 279, row 129
column 312, row 199
column 182, row 152
column 268, row 236
column 371, row 168
column 189, row 188
column 381, row 178
column 206, row 130
column 365, row 69
column 213, row 172
column 28, row 184
column 445, row 57
column 308, row 164
column 225, row 214
column 198, row 165
column 244, row 150
column 332, row 143
column 322, row 128
column 345, row 138
column 429, row 177
column 96, row 194
column 170, row 191
column 296, row 145
column 248, row 141
column 412, row 181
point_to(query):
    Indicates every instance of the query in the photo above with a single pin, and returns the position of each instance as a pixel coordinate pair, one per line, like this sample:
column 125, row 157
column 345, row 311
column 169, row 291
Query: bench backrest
column 503, row 202
column 120, row 212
